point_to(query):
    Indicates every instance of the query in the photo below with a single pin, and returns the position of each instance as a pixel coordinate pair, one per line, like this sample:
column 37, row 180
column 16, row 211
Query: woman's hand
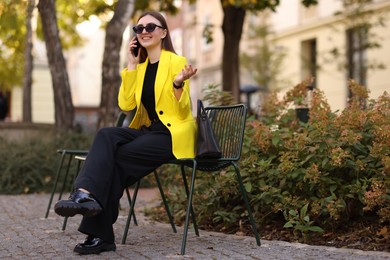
column 185, row 74
column 132, row 61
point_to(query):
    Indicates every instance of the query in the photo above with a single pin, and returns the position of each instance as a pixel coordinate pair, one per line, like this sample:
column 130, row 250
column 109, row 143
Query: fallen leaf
column 383, row 232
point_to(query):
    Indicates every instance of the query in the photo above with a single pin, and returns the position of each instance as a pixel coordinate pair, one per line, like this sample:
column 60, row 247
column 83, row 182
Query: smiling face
column 150, row 40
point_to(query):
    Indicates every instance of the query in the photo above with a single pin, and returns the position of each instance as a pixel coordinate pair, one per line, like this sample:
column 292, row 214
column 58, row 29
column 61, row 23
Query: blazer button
column 161, row 112
column 168, row 124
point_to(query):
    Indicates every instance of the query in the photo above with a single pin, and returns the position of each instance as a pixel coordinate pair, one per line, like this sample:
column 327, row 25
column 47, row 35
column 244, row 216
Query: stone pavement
column 26, row 234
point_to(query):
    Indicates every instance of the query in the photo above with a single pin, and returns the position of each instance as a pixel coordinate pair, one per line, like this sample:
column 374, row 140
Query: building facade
column 316, row 43
column 336, row 48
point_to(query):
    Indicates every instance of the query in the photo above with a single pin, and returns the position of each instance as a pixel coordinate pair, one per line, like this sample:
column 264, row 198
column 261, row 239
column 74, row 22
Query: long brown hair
column 166, row 41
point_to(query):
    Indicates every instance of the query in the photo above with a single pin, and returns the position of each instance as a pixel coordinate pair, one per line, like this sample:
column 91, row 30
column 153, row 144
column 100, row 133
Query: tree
column 63, row 106
column 12, row 36
column 233, row 21
column 123, row 9
column 230, row 56
column 69, row 15
column 16, row 59
column 28, row 64
column 111, row 57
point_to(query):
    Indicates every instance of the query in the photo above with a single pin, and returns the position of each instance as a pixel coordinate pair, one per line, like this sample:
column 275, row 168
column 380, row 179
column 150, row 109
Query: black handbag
column 207, row 145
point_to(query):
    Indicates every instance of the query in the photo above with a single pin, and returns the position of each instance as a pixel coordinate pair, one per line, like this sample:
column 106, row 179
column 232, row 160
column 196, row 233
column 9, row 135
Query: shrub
column 29, row 165
column 314, row 176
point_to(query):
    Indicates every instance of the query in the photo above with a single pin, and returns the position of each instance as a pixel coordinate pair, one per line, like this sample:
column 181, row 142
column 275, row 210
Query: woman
column 155, row 82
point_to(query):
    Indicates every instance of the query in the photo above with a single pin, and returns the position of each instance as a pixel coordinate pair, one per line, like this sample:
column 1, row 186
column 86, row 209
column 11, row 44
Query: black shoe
column 78, row 203
column 94, row 245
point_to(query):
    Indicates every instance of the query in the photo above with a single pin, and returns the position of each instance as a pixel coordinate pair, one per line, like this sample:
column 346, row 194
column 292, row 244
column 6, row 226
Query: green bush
column 312, row 176
column 29, row 165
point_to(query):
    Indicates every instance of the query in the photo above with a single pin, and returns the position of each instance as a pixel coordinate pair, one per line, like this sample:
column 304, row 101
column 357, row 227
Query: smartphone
column 135, row 49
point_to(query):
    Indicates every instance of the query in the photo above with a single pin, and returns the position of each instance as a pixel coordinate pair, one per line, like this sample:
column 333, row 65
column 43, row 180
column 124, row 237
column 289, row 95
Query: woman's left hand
column 185, row 74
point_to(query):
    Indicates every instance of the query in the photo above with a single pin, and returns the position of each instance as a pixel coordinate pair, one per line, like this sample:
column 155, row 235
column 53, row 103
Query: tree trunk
column 111, row 79
column 28, row 65
column 232, row 25
column 63, row 106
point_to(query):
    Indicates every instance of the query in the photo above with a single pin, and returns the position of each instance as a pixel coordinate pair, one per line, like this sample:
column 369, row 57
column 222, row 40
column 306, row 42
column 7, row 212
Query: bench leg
column 55, row 183
column 187, row 191
column 165, row 202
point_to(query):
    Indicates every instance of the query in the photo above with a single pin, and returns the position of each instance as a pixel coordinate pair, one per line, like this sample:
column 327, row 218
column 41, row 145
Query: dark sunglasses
column 150, row 27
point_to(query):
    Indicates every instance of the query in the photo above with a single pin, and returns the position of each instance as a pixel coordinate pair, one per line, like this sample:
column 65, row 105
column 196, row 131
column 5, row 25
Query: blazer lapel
column 162, row 74
column 140, row 81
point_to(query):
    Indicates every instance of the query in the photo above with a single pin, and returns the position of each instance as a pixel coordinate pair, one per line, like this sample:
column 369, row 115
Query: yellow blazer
column 175, row 114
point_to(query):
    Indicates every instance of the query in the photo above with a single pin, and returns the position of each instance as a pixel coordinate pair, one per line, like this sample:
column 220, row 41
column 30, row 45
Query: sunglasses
column 150, row 27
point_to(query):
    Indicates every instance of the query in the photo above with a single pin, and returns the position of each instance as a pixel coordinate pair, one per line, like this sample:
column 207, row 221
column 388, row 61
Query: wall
column 329, row 33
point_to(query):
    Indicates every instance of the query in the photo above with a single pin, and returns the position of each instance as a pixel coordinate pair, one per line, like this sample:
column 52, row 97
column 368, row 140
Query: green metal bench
column 228, row 123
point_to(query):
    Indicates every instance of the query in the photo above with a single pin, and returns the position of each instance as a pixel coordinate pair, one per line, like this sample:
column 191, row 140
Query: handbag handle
column 201, row 111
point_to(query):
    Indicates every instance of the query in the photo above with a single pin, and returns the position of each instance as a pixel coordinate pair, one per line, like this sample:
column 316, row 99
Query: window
column 357, row 55
column 309, row 60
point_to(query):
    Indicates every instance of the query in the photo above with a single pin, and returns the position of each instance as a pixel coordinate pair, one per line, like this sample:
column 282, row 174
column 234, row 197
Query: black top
column 148, row 99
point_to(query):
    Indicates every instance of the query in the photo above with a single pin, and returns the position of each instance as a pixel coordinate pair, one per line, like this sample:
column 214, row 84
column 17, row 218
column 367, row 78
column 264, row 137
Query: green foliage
column 30, row 165
column 328, row 164
column 12, row 37
column 13, row 32
column 318, row 176
column 71, row 14
column 300, row 221
column 215, row 96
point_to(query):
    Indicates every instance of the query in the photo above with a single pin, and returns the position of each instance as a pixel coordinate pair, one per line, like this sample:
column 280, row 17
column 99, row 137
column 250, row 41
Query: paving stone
column 26, row 234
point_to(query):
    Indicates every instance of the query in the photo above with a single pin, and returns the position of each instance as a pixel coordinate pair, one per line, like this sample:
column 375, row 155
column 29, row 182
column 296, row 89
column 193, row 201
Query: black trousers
column 118, row 158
